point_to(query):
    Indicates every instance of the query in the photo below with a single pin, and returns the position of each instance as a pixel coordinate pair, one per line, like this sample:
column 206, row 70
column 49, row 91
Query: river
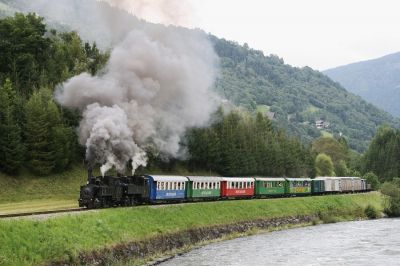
column 373, row 242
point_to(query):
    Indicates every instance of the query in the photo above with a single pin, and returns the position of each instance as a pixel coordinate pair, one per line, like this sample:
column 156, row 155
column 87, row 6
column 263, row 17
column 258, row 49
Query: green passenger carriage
column 204, row 187
column 269, row 187
column 298, row 186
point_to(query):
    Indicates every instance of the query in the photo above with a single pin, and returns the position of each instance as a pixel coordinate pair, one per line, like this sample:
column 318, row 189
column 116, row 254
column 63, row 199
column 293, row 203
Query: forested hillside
column 377, row 81
column 39, row 135
column 297, row 97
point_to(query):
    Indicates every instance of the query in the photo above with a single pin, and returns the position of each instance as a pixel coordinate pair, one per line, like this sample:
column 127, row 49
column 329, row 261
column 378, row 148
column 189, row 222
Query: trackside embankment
column 139, row 233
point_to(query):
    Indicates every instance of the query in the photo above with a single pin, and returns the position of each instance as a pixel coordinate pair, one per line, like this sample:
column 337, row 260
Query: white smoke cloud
column 156, row 85
column 168, row 12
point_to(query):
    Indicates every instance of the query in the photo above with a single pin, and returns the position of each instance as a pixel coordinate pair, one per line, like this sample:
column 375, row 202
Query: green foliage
column 37, row 134
column 330, row 146
column 11, row 148
column 371, row 212
column 298, row 96
column 392, row 190
column 373, row 180
column 48, row 141
column 242, row 144
column 23, row 47
column 337, row 150
column 324, row 165
column 32, row 58
column 383, row 154
column 341, row 169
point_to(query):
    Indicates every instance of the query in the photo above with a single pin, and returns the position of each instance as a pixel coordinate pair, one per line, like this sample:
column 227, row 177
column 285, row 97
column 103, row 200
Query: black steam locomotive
column 108, row 191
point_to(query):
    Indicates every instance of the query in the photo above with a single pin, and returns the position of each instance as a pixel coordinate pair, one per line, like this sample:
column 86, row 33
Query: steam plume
column 155, row 85
column 175, row 12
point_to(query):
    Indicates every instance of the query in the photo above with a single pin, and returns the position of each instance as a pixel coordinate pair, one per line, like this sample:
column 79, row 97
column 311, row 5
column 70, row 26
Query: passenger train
column 107, row 191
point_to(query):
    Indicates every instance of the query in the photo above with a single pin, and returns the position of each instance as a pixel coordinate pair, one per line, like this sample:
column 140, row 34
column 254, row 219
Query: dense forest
column 34, row 131
column 38, row 135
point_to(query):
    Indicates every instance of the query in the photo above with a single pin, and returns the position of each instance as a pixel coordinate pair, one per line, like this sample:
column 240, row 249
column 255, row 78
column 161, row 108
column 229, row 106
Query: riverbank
column 107, row 235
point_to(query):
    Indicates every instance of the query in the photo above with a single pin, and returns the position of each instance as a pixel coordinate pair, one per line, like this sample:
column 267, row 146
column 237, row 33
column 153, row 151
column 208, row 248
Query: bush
column 392, row 202
column 371, row 212
column 373, row 180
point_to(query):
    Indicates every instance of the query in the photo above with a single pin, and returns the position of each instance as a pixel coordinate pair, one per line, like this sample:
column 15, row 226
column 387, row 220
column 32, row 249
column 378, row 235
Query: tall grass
column 27, row 241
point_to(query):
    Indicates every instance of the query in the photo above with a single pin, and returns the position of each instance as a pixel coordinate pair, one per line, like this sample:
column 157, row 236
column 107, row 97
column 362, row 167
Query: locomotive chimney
column 89, row 173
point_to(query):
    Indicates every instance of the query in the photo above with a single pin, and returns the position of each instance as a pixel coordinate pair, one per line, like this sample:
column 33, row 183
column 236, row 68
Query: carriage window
column 179, row 185
column 207, row 186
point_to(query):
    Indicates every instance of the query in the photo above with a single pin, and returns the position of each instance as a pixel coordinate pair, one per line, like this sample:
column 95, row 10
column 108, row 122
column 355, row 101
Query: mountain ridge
column 376, row 80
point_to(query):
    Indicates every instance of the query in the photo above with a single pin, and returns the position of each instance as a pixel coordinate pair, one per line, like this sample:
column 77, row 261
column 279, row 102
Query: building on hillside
column 270, row 115
column 321, row 124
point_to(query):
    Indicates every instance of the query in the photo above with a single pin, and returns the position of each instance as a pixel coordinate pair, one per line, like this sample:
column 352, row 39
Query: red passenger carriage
column 232, row 187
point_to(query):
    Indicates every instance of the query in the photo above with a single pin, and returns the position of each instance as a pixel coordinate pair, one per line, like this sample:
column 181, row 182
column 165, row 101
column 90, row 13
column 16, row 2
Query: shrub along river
column 373, row 242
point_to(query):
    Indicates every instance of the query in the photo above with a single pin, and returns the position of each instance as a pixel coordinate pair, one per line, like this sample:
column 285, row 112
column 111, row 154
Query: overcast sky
column 319, row 33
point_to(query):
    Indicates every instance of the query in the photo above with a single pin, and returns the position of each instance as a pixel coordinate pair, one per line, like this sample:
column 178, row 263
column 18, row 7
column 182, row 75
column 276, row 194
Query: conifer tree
column 38, row 135
column 11, row 148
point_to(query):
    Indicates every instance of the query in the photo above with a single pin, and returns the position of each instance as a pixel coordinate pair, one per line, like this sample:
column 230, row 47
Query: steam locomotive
column 108, row 191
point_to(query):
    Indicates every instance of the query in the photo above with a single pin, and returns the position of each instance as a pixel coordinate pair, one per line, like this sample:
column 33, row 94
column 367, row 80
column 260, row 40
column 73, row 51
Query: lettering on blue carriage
column 170, row 194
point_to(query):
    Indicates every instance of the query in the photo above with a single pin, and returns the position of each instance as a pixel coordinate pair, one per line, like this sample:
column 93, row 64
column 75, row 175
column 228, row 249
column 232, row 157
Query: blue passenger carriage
column 163, row 188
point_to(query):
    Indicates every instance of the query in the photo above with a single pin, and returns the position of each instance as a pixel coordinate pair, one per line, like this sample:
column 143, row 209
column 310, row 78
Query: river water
column 373, row 242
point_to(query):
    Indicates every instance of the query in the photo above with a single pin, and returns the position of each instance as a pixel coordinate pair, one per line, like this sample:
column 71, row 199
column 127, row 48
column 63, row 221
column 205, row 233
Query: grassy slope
column 26, row 187
column 27, row 241
column 57, row 191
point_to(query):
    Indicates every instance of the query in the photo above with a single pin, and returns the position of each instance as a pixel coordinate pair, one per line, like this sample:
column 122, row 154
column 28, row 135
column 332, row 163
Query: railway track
column 34, row 213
